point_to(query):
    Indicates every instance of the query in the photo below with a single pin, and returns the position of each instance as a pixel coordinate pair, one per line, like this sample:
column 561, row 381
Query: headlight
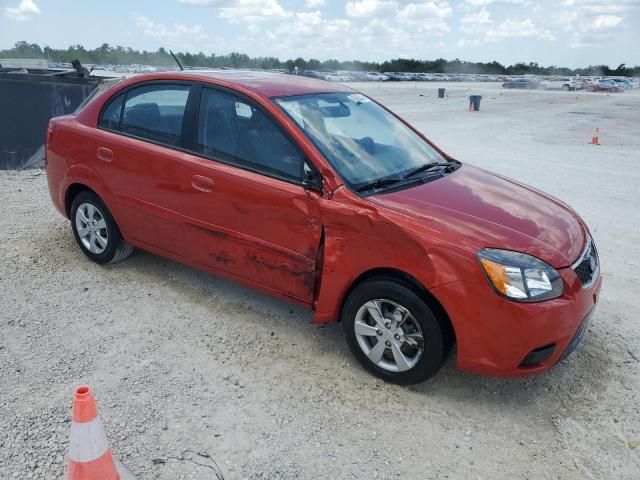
column 520, row 277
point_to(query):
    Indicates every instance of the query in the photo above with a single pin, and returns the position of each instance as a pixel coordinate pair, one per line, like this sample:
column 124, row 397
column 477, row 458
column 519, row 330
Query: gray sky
column 561, row 32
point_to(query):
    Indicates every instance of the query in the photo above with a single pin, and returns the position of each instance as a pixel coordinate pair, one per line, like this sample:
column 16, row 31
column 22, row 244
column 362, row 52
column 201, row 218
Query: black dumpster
column 441, row 92
column 27, row 102
column 474, row 103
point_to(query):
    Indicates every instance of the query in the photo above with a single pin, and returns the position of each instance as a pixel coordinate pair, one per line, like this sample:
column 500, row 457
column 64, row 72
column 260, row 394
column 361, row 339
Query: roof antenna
column 177, row 61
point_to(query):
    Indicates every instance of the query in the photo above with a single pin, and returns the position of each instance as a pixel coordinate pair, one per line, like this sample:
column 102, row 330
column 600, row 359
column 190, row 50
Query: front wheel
column 393, row 333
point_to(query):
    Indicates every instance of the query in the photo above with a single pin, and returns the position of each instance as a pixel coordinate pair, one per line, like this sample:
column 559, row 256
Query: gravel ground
column 184, row 363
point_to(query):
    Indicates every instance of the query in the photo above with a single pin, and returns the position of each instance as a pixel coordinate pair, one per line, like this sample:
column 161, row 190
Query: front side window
column 156, row 112
column 362, row 141
column 234, row 131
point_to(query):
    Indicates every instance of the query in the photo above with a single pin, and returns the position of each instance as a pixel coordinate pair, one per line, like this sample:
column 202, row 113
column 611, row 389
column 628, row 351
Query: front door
column 244, row 205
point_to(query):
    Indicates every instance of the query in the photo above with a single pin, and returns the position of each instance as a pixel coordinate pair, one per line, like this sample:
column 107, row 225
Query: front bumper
column 494, row 336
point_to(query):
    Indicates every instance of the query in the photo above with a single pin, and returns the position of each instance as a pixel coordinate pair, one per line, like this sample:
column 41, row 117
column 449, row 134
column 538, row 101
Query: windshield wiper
column 383, row 182
column 429, row 166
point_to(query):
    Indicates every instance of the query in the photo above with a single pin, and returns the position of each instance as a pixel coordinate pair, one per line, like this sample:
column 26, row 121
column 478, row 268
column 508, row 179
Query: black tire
column 437, row 337
column 117, row 249
column 566, row 88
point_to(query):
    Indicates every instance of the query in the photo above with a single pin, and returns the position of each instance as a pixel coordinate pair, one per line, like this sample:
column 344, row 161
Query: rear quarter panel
column 69, row 161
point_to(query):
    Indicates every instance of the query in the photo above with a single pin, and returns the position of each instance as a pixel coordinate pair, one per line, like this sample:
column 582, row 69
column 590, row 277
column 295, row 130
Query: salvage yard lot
column 179, row 359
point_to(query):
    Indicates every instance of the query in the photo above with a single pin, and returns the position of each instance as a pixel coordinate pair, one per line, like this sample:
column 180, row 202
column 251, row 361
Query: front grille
column 587, row 266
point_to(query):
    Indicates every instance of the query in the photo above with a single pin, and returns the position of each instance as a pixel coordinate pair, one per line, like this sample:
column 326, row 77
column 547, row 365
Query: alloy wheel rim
column 91, row 228
column 389, row 335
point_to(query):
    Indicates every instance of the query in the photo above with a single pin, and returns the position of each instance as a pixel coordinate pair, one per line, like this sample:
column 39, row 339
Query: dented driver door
column 246, row 211
column 259, row 229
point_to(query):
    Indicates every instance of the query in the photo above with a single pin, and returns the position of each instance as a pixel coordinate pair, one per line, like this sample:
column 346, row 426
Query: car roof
column 267, row 84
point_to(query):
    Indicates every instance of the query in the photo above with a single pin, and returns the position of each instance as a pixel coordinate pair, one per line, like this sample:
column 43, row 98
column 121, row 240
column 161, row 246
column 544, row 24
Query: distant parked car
column 357, row 76
column 312, row 74
column 608, row 86
column 527, row 83
column 394, row 76
column 336, row 77
column 625, row 83
column 563, row 83
column 425, row 76
column 377, row 77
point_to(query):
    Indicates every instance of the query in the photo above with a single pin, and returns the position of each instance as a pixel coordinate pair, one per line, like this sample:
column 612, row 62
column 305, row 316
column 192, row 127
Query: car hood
column 473, row 209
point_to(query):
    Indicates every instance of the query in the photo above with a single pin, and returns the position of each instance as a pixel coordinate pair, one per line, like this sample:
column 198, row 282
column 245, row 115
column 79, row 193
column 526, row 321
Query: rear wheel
column 393, row 333
column 96, row 231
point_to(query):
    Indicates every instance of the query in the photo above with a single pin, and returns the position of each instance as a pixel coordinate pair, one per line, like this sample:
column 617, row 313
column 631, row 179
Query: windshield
column 362, row 141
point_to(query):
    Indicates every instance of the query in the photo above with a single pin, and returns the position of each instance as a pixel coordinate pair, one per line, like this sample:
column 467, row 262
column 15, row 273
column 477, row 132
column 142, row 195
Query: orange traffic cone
column 89, row 455
column 595, row 140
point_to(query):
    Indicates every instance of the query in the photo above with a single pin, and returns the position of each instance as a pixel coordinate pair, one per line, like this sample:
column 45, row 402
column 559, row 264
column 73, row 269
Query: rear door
column 245, row 208
column 138, row 151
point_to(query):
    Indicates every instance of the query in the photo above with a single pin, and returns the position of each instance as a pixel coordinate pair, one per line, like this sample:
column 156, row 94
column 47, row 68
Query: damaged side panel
column 253, row 227
column 358, row 240
column 258, row 261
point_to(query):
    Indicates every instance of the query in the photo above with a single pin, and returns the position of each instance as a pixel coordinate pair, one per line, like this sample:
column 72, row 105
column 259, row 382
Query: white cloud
column 392, row 29
column 565, row 19
column 605, row 22
column 481, row 17
column 475, row 23
column 244, row 11
column 594, row 22
column 252, row 11
column 602, row 5
column 310, row 33
column 462, row 43
column 485, row 3
column 587, row 22
column 376, row 29
column 399, row 40
column 177, row 35
column 426, row 17
column 23, row 11
column 418, row 11
column 370, row 8
column 203, row 3
column 481, row 26
column 512, row 28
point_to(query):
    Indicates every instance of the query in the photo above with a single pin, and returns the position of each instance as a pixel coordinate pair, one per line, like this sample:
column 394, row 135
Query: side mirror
column 311, row 178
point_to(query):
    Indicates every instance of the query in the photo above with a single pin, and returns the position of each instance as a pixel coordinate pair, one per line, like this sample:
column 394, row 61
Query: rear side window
column 156, row 112
column 110, row 118
column 235, row 131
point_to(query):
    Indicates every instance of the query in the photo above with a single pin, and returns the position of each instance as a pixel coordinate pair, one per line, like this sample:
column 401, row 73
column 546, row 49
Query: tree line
column 117, row 55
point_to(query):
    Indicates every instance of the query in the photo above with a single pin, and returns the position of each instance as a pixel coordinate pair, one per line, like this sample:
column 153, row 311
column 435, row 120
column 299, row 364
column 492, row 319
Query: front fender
column 359, row 241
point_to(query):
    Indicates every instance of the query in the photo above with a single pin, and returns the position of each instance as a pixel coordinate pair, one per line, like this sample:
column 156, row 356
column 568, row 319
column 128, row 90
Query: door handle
column 203, row 184
column 104, row 154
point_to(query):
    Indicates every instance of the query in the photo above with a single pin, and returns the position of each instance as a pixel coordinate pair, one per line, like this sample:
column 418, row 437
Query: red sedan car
column 608, row 86
column 315, row 193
